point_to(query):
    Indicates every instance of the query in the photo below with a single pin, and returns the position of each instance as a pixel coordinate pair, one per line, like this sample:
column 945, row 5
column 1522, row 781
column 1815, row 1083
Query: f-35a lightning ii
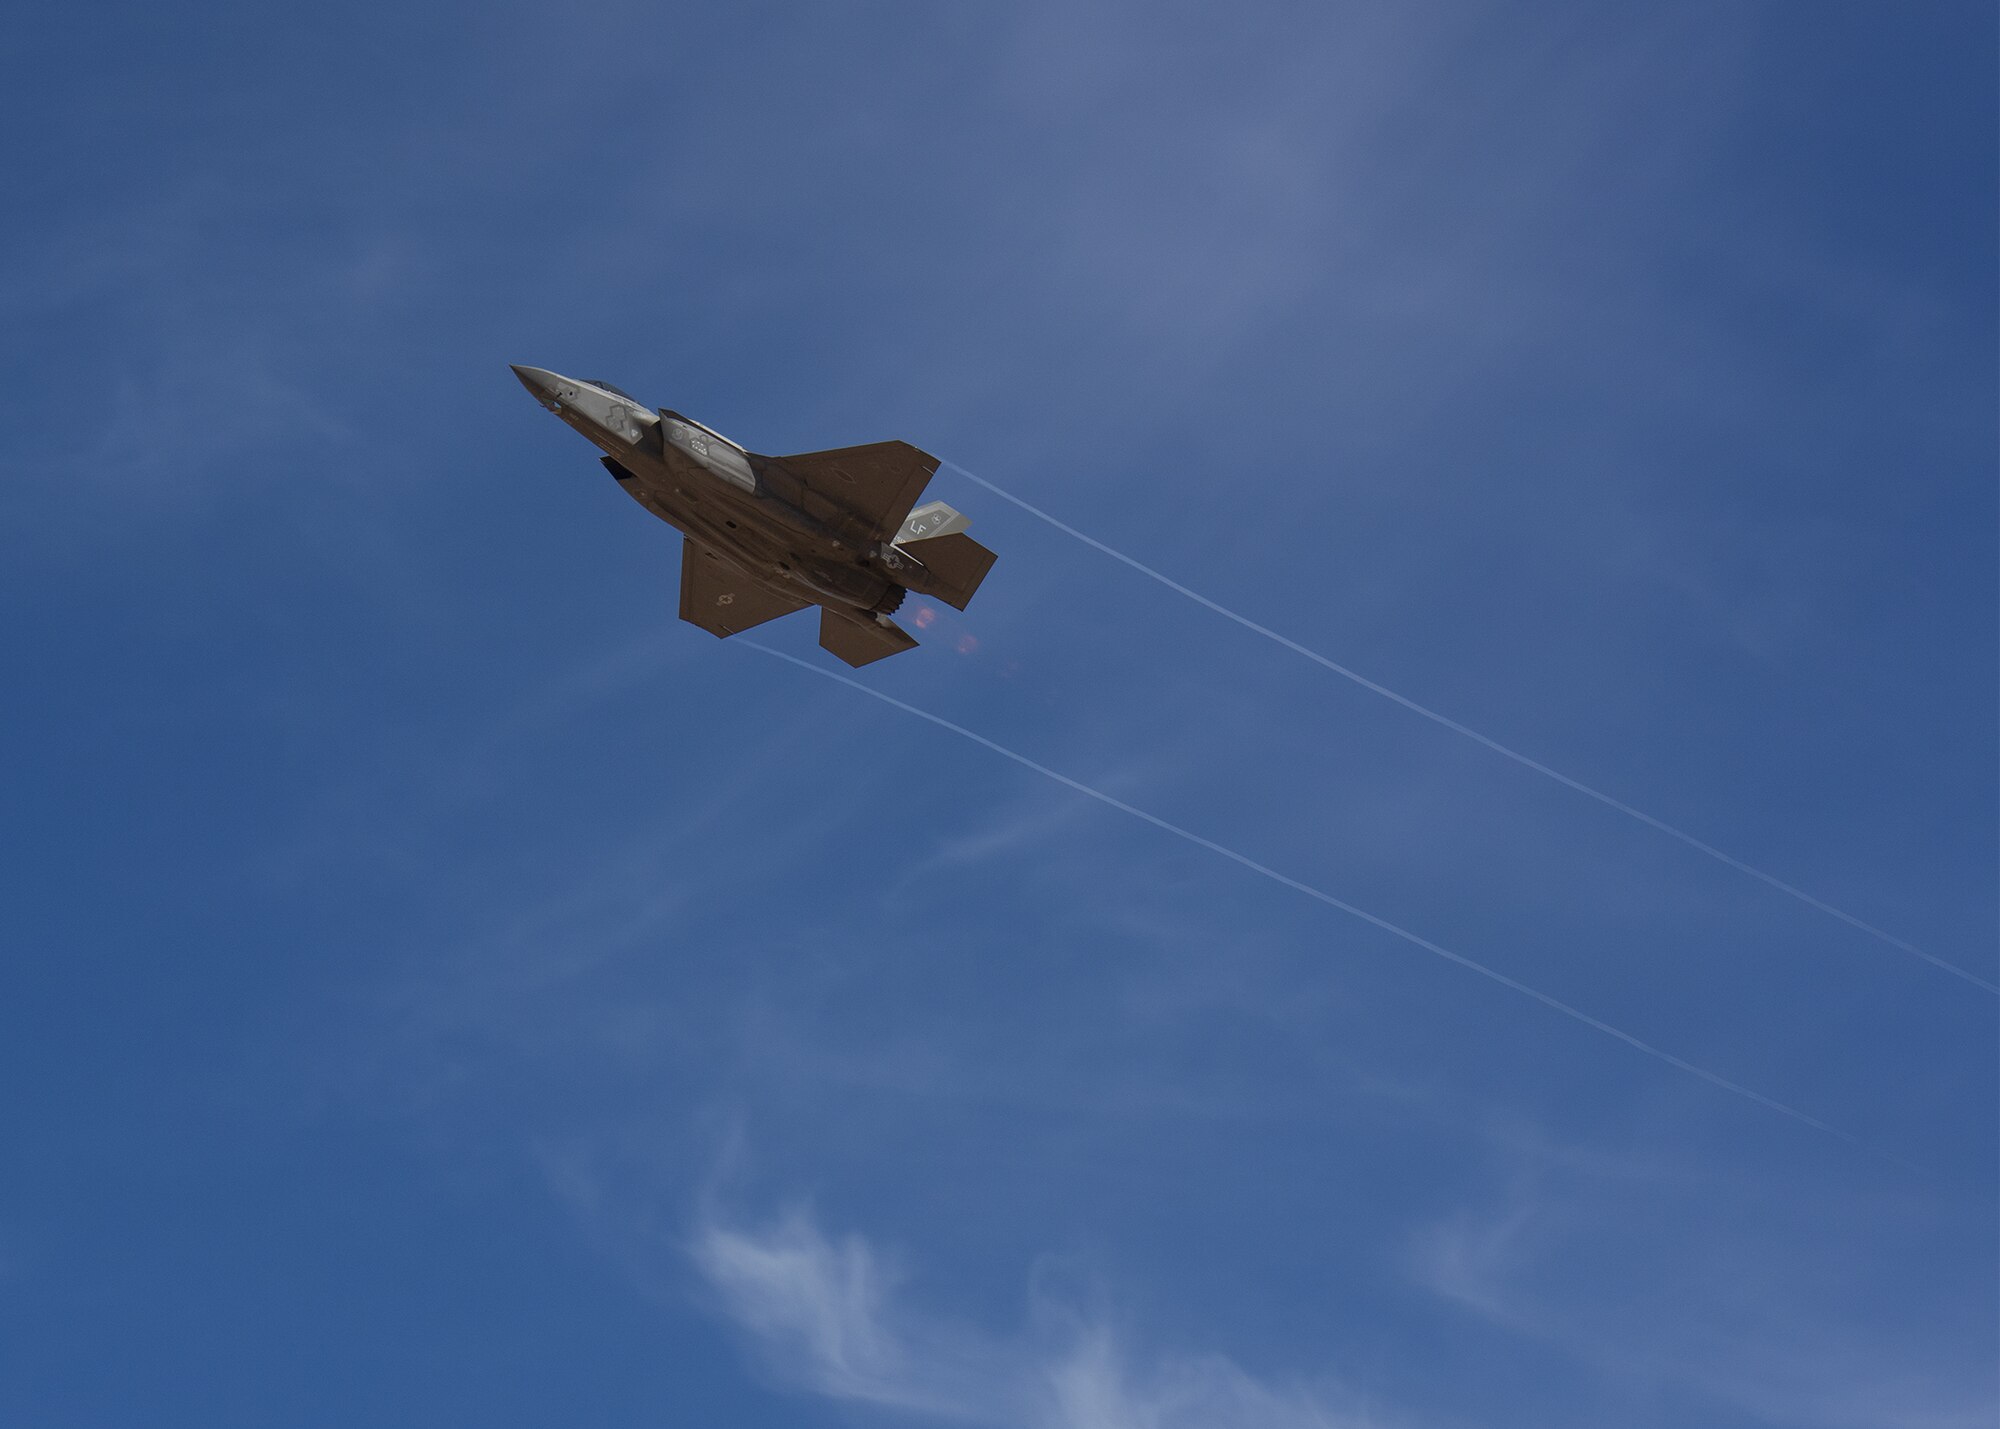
column 768, row 535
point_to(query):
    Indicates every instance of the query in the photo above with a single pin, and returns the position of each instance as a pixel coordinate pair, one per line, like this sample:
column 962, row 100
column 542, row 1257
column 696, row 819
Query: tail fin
column 953, row 563
column 954, row 566
column 862, row 639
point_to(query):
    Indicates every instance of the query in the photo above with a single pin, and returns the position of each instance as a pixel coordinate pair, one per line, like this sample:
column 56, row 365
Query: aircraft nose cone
column 541, row 383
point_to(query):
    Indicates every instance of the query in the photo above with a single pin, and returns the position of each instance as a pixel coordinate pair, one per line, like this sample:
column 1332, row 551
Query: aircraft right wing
column 878, row 483
column 720, row 598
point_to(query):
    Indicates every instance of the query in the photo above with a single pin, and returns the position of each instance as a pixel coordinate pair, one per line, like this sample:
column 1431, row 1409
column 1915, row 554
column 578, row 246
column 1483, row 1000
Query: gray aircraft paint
column 933, row 519
column 769, row 535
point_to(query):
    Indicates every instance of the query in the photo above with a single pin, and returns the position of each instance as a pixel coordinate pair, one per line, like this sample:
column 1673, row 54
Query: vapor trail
column 1493, row 744
column 1573, row 1013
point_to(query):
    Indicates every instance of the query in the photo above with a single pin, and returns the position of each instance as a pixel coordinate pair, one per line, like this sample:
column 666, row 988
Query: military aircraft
column 768, row 535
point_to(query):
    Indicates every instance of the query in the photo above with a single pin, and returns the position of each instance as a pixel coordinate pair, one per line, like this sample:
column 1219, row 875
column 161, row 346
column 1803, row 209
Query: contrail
column 1492, row 975
column 1493, row 744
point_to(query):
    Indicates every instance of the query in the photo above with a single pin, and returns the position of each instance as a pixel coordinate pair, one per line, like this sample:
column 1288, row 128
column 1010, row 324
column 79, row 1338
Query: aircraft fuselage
column 708, row 487
column 770, row 535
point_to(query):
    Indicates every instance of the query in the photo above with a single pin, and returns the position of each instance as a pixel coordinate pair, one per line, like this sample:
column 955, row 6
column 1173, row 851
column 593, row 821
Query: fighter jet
column 768, row 535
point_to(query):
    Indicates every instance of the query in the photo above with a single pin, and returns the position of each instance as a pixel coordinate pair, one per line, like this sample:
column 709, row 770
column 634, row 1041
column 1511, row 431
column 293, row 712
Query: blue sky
column 442, row 989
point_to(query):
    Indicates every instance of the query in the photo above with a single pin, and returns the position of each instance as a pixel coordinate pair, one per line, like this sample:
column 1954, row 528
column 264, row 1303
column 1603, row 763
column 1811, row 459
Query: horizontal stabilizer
column 862, row 639
column 954, row 567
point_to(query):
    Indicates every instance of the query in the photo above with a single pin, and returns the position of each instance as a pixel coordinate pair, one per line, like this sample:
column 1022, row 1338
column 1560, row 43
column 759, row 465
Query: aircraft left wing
column 720, row 598
column 878, row 482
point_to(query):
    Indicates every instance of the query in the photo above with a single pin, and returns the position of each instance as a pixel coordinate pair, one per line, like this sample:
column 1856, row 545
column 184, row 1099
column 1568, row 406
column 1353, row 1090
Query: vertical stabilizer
column 953, row 563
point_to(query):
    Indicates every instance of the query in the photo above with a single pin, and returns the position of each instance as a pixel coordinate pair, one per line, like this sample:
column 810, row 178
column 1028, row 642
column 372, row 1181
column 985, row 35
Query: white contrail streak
column 1573, row 1013
column 1493, row 744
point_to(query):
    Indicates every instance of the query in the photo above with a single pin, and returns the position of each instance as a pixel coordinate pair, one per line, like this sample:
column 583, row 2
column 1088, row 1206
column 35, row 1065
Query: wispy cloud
column 1758, row 1297
column 832, row 1315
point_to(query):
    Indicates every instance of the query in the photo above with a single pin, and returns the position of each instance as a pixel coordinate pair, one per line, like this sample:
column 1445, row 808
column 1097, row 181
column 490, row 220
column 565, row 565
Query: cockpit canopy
column 595, row 382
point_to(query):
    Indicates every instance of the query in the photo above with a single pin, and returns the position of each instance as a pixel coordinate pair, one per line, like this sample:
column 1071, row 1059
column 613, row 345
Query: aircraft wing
column 878, row 482
column 720, row 598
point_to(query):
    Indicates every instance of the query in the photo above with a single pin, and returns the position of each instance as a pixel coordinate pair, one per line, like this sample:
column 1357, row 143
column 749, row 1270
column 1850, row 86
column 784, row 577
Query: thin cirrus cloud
column 1709, row 1299
column 829, row 1316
